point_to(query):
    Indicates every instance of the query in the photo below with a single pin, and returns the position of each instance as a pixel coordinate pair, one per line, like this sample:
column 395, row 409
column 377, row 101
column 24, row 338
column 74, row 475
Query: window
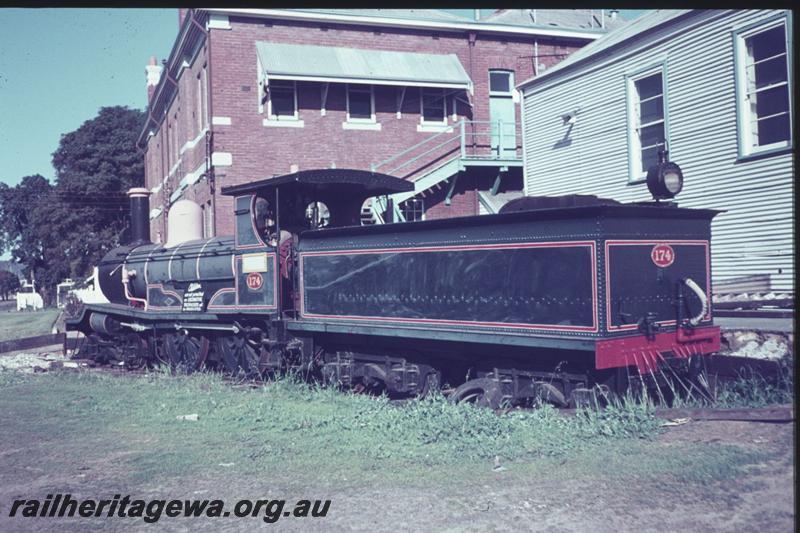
column 501, row 82
column 282, row 100
column 317, row 215
column 413, row 209
column 433, row 106
column 208, row 221
column 202, row 113
column 170, row 143
column 763, row 92
column 199, row 109
column 647, row 121
column 360, row 103
column 176, row 146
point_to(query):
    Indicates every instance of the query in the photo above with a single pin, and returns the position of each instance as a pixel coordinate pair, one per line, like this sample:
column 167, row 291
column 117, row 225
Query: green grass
column 755, row 390
column 750, row 389
column 21, row 324
column 305, row 435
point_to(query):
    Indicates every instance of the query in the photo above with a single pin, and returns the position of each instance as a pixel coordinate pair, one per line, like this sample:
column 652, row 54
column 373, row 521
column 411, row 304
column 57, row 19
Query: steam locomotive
column 550, row 299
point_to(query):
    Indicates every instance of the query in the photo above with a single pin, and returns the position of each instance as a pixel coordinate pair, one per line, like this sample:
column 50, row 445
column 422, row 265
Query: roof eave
column 465, row 85
column 457, row 26
column 177, row 46
column 549, row 75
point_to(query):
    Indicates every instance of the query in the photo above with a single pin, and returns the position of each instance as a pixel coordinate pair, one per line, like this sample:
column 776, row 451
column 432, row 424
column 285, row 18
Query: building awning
column 351, row 65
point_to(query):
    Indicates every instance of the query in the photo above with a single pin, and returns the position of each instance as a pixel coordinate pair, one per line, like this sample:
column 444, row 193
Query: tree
column 30, row 230
column 95, row 166
column 9, row 282
column 63, row 230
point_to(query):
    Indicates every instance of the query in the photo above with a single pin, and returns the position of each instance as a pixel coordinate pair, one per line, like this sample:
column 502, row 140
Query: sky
column 58, row 67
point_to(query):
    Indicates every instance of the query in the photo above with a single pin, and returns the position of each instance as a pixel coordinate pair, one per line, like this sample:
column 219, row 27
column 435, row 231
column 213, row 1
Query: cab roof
column 322, row 180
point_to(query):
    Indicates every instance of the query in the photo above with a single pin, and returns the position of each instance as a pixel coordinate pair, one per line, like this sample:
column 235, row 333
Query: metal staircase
column 445, row 155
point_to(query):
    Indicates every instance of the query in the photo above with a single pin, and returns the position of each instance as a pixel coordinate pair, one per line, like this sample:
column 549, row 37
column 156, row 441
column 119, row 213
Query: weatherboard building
column 713, row 87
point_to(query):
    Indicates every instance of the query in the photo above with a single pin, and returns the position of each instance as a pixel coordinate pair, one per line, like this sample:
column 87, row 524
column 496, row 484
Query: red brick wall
column 259, row 152
column 172, row 151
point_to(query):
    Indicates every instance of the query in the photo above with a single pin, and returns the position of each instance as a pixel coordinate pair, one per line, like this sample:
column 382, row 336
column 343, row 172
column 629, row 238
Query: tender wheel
column 239, row 355
column 431, row 386
column 482, row 392
column 539, row 393
column 185, row 350
column 592, row 398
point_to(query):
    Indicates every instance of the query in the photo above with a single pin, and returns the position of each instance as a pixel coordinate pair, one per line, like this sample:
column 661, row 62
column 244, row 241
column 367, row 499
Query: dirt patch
column 42, row 361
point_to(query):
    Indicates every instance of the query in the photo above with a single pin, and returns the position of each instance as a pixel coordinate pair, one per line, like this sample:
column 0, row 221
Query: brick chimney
column 153, row 71
column 182, row 12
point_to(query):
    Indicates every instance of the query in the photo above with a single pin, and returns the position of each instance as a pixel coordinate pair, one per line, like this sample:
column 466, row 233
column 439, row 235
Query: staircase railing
column 480, row 139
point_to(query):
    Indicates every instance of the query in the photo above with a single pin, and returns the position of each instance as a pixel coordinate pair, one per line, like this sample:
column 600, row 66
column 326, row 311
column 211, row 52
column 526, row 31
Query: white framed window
column 176, row 138
column 413, row 209
column 282, row 100
column 360, row 103
column 763, row 87
column 647, row 121
column 204, row 86
column 202, row 114
column 501, row 83
column 432, row 106
column 208, row 220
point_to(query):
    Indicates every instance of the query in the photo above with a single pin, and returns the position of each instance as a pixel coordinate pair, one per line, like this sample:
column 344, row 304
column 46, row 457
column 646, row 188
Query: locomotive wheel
column 540, row 392
column 134, row 351
column 98, row 350
column 482, row 392
column 186, row 351
column 238, row 355
column 432, row 385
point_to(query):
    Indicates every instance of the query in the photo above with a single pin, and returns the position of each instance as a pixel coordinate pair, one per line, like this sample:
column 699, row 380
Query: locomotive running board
column 445, row 334
column 644, row 353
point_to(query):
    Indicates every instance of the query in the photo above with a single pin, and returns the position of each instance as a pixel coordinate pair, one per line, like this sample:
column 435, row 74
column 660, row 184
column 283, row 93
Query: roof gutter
column 286, row 14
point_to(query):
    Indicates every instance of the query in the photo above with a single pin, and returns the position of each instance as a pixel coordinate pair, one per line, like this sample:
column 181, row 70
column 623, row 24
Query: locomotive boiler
column 551, row 300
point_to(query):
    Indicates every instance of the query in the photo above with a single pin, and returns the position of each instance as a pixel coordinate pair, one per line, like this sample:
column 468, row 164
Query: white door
column 502, row 113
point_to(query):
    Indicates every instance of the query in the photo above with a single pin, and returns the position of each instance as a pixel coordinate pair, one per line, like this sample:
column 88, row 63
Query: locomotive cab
column 319, row 198
column 274, row 212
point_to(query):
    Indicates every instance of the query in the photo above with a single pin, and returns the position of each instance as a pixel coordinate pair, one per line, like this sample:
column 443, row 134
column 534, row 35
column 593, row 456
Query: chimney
column 612, row 14
column 477, row 14
column 140, row 215
column 153, row 71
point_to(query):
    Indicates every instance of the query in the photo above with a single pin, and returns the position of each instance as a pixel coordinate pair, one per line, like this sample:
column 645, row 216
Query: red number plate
column 254, row 281
column 662, row 255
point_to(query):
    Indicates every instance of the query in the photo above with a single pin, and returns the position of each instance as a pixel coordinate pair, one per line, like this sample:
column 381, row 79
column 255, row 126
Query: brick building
column 421, row 94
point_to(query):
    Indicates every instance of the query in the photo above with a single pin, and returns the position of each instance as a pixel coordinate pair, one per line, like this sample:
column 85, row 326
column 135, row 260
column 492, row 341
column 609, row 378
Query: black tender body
column 572, row 273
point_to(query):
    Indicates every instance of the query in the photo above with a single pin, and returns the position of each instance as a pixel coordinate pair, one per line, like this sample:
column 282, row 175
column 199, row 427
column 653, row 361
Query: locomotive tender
column 546, row 300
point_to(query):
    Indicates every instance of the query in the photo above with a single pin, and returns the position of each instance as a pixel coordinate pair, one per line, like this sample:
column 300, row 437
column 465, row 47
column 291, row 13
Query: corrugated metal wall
column 755, row 236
